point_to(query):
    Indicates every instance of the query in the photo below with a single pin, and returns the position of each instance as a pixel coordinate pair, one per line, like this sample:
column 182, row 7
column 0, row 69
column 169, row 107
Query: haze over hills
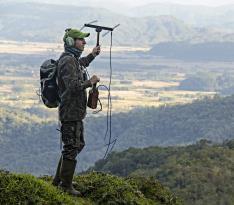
column 46, row 23
column 197, row 14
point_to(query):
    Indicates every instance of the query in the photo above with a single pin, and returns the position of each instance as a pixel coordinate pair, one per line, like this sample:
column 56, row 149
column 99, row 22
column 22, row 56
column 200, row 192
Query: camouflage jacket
column 72, row 84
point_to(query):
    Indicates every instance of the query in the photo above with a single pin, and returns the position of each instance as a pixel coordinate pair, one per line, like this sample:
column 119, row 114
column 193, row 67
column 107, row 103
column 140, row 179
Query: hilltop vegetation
column 200, row 173
column 96, row 188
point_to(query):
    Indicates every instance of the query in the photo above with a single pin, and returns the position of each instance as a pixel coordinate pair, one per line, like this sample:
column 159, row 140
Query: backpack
column 48, row 81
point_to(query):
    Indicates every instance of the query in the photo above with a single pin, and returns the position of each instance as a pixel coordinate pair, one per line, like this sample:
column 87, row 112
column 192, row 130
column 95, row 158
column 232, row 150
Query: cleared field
column 38, row 48
column 135, row 83
column 154, row 84
column 124, row 96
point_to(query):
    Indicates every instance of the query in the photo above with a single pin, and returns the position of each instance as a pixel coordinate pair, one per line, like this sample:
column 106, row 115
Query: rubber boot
column 66, row 174
column 57, row 180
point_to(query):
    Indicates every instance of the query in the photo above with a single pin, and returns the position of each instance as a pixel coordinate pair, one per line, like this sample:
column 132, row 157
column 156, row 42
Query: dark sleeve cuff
column 90, row 57
column 85, row 61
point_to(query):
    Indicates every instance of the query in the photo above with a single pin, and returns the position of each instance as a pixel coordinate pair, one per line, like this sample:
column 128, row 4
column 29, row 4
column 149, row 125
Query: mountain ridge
column 32, row 22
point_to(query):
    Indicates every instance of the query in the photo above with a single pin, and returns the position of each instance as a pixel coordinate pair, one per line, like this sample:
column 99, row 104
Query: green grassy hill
column 200, row 174
column 97, row 188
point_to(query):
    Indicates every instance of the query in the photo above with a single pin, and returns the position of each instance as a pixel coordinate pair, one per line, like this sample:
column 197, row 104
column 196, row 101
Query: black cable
column 111, row 143
column 100, row 103
column 104, row 87
column 109, row 110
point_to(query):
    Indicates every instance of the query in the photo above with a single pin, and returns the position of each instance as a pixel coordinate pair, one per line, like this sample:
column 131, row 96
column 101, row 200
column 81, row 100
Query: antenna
column 109, row 31
column 95, row 21
column 99, row 29
column 111, row 142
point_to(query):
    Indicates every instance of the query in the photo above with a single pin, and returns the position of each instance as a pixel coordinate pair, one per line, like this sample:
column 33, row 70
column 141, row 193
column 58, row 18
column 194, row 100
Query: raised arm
column 85, row 61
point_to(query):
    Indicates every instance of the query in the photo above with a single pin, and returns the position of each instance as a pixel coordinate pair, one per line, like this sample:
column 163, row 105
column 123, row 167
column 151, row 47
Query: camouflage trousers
column 72, row 134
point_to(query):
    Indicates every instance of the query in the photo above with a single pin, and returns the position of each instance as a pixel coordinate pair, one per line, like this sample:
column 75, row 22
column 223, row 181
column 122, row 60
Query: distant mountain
column 198, row 16
column 47, row 22
column 210, row 51
column 199, row 174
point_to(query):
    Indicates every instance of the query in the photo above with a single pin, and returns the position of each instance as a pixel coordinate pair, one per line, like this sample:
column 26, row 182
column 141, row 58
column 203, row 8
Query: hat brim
column 84, row 35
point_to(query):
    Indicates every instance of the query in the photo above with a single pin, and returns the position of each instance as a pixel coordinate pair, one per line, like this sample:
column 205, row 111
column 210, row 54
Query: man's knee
column 70, row 154
column 73, row 139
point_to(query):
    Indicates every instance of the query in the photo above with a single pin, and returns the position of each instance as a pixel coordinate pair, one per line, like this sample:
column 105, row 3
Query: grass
column 26, row 189
column 96, row 187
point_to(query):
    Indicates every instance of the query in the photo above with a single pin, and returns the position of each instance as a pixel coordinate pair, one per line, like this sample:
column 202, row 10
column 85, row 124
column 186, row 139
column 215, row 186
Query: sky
column 132, row 3
column 190, row 2
column 193, row 2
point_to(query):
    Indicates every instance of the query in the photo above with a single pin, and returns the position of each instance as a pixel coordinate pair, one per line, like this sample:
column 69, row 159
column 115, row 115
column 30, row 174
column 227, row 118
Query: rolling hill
column 199, row 174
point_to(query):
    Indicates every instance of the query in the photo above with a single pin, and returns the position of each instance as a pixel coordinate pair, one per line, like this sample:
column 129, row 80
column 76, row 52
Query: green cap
column 74, row 33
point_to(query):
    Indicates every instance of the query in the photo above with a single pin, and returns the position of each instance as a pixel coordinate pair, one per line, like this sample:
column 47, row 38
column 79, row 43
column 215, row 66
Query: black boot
column 57, row 180
column 66, row 174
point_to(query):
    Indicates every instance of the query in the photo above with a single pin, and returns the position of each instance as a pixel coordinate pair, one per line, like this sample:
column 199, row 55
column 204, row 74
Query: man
column 72, row 84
